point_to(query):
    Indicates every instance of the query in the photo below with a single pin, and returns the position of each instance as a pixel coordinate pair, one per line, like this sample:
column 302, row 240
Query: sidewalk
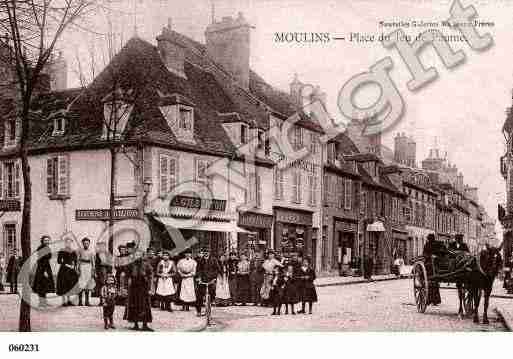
column 332, row 281
column 80, row 319
column 503, row 304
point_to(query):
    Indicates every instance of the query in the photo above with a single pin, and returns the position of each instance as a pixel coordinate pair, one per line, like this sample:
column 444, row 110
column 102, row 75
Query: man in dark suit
column 206, row 271
column 458, row 244
column 432, row 250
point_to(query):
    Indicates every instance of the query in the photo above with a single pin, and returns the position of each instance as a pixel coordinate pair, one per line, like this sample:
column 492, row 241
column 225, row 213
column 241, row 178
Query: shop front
column 258, row 238
column 345, row 245
column 375, row 246
column 202, row 223
column 293, row 232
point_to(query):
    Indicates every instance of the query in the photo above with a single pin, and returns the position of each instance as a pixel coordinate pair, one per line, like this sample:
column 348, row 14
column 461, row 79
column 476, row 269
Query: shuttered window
column 312, row 189
column 296, row 186
column 57, row 176
column 168, row 173
column 348, row 190
column 278, row 183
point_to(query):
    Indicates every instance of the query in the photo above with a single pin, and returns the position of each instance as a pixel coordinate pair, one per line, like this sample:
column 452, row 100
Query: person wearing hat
column 13, row 269
column 186, row 268
column 67, row 276
column 154, row 261
column 269, row 265
column 86, row 283
column 140, row 277
column 207, row 272
column 165, row 286
column 121, row 265
column 233, row 262
column 43, row 278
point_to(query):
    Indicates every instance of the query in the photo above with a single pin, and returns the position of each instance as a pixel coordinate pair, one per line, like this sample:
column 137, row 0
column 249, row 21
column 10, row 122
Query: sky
column 463, row 110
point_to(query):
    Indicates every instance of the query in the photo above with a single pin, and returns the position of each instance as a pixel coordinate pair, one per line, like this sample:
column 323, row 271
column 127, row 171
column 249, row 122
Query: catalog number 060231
column 23, row 347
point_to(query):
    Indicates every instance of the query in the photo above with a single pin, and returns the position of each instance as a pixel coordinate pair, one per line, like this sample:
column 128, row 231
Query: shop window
column 168, row 173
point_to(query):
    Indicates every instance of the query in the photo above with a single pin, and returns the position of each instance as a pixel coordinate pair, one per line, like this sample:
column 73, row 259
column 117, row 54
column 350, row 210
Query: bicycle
column 208, row 300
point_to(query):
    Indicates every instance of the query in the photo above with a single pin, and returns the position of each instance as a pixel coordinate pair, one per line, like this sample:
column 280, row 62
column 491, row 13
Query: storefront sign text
column 103, row 214
column 196, row 202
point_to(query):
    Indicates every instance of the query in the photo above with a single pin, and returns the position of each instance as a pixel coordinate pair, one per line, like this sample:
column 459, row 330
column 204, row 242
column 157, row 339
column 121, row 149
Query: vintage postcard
column 255, row 166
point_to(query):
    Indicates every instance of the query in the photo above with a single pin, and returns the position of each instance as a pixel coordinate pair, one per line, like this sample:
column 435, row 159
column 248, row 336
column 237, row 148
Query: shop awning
column 201, row 225
column 377, row 226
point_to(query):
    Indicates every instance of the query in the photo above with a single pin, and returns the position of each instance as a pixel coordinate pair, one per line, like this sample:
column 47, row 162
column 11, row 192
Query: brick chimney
column 228, row 44
column 58, row 73
column 172, row 51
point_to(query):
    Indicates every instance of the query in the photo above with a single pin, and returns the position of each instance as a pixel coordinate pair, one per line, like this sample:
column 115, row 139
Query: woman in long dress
column 187, row 269
column 67, row 277
column 268, row 266
column 86, row 282
column 138, row 308
column 165, row 286
column 222, row 283
column 43, row 278
column 243, row 282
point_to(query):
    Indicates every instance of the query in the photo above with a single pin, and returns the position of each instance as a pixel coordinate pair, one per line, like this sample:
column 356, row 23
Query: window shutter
column 299, row 187
column 17, row 177
column 164, row 172
column 172, row 174
column 258, row 192
column 1, row 179
column 63, row 175
column 314, row 193
column 294, row 187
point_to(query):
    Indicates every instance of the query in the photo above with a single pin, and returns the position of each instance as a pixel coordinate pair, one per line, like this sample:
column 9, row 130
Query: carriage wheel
column 468, row 301
column 420, row 286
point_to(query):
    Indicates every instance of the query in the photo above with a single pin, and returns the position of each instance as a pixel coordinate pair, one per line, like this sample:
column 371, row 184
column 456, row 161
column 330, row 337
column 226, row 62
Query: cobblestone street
column 378, row 306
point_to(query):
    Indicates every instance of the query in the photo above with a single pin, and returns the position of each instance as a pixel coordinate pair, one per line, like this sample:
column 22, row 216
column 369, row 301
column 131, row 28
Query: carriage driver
column 433, row 249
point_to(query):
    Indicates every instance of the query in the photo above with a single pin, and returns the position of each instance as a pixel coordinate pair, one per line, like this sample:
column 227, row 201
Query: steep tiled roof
column 138, row 68
column 382, row 182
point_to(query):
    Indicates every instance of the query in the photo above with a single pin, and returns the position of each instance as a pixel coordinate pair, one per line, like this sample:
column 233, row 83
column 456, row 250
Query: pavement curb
column 360, row 281
column 506, row 317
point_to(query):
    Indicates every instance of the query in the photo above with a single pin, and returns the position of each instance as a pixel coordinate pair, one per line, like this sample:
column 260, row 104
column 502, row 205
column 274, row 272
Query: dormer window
column 116, row 115
column 11, row 132
column 58, row 126
column 185, row 119
column 180, row 119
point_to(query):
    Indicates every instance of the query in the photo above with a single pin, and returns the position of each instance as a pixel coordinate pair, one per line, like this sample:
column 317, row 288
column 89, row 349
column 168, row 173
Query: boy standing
column 108, row 297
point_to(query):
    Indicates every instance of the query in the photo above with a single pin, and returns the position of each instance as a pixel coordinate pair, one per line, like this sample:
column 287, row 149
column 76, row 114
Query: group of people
column 9, row 270
column 141, row 281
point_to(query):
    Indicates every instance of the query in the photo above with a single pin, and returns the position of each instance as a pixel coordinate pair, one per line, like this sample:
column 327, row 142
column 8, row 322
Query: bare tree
column 32, row 29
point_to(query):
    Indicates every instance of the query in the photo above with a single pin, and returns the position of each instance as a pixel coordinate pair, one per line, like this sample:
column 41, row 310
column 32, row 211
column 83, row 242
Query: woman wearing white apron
column 223, row 297
column 86, row 280
column 187, row 270
column 165, row 286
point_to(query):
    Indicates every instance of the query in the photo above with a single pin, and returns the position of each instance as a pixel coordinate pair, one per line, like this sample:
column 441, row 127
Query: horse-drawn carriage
column 448, row 268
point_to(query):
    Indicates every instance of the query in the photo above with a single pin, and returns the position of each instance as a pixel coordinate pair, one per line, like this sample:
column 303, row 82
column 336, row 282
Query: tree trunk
column 24, row 321
column 112, row 203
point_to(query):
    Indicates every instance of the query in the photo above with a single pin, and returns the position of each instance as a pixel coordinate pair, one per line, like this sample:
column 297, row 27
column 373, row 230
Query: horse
column 480, row 276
